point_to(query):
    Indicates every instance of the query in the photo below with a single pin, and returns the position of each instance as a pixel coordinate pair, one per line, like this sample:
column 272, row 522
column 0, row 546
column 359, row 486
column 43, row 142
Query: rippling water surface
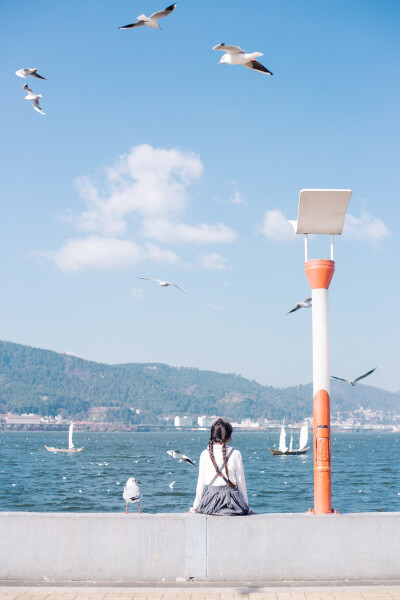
column 365, row 472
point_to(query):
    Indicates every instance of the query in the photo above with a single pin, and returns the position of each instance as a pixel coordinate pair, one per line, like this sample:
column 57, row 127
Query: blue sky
column 153, row 160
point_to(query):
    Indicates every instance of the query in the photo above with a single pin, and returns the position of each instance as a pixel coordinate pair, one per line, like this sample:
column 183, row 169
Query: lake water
column 365, row 472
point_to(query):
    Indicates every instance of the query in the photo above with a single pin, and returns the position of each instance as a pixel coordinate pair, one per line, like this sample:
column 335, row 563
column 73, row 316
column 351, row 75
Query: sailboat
column 284, row 450
column 71, row 448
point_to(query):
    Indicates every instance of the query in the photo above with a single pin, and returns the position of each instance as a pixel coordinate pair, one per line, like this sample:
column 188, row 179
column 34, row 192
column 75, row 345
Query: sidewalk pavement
column 330, row 591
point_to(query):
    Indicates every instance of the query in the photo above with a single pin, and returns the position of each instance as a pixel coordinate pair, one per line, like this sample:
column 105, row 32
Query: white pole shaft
column 320, row 334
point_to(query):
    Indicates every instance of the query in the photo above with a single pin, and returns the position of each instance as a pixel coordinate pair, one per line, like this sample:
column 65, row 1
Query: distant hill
column 49, row 383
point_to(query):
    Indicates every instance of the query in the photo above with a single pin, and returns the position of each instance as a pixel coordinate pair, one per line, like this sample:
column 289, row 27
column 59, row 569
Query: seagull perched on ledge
column 152, row 20
column 132, row 492
column 354, row 381
column 164, row 283
column 236, row 56
column 305, row 304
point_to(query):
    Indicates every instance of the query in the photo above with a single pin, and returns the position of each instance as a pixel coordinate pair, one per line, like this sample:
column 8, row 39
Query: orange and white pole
column 319, row 274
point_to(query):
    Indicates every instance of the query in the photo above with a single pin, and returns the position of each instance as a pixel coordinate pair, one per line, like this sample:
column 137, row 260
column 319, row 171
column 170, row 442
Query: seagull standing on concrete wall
column 132, row 493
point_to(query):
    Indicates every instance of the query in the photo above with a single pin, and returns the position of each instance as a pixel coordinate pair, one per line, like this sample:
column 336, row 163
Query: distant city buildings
column 22, row 419
column 101, row 418
column 206, row 421
column 183, row 421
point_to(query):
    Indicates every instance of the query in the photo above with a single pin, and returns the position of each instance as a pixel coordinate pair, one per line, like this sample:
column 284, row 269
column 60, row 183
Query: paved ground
column 252, row 592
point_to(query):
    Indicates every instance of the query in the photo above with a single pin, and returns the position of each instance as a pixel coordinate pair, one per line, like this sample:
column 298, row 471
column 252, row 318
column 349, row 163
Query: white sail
column 303, row 437
column 291, row 440
column 282, row 440
column 70, row 442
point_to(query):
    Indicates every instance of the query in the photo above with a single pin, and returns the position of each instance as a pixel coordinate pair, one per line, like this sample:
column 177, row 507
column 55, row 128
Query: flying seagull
column 305, row 304
column 152, row 20
column 179, row 456
column 171, row 485
column 236, row 56
column 34, row 97
column 164, row 283
column 354, row 381
column 132, row 492
column 25, row 72
column 30, row 93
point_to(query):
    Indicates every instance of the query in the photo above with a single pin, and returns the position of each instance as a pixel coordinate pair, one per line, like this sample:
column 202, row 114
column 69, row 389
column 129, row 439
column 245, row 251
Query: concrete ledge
column 163, row 547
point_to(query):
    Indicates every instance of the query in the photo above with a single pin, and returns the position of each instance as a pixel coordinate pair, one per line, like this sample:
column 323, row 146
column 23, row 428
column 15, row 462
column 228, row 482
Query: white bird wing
column 132, row 492
column 151, row 279
column 254, row 64
column 136, row 24
column 365, row 375
column 229, row 49
column 162, row 13
column 294, row 309
column 339, row 378
column 179, row 287
column 186, row 459
column 35, row 74
column 37, row 107
column 28, row 89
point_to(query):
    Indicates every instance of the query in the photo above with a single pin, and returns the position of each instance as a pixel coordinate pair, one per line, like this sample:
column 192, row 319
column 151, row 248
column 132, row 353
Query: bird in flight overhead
column 164, row 283
column 305, row 304
column 34, row 97
column 354, row 381
column 236, row 56
column 25, row 72
column 152, row 20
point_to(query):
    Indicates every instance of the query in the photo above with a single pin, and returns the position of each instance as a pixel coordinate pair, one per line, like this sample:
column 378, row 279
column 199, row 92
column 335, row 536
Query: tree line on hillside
column 49, row 383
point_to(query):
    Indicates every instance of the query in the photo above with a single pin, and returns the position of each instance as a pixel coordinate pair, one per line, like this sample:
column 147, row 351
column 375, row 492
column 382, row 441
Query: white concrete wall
column 146, row 547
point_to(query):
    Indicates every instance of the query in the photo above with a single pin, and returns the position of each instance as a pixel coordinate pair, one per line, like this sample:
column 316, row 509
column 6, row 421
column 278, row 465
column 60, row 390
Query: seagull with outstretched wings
column 164, row 283
column 180, row 456
column 152, row 20
column 305, row 304
column 354, row 381
column 236, row 56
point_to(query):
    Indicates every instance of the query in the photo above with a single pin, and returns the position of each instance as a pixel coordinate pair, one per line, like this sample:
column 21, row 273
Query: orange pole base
column 322, row 453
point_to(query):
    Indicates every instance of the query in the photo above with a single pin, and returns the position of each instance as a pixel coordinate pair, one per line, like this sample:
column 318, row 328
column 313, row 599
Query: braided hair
column 221, row 432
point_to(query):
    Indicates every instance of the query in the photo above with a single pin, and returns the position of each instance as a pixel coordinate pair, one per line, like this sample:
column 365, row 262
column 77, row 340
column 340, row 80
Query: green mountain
column 49, row 383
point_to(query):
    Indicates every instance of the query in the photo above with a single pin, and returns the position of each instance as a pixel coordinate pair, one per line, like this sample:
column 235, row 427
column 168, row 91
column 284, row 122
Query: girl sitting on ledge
column 221, row 469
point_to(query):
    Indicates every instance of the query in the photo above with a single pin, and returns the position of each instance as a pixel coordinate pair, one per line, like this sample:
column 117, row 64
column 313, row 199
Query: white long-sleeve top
column 208, row 476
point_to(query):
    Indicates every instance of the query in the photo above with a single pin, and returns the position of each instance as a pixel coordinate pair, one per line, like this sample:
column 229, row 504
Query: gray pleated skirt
column 222, row 500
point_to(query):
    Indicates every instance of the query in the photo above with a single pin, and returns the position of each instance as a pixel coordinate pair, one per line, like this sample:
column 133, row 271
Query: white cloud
column 164, row 230
column 143, row 195
column 105, row 253
column 276, row 227
column 212, row 306
column 137, row 293
column 212, row 261
column 147, row 182
column 367, row 228
column 237, row 198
